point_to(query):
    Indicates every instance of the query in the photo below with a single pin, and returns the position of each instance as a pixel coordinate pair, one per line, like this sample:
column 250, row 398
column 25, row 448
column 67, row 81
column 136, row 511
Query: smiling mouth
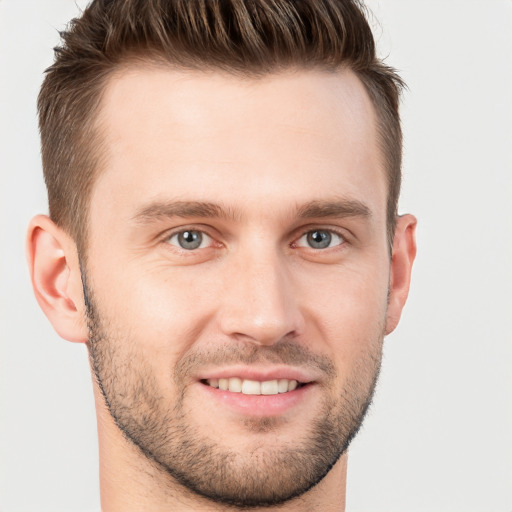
column 254, row 387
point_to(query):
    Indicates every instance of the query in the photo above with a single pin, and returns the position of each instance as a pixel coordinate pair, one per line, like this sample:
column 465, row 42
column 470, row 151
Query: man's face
column 237, row 240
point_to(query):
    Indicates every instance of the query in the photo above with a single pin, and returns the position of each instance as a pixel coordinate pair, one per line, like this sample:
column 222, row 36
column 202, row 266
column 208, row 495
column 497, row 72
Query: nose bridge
column 259, row 304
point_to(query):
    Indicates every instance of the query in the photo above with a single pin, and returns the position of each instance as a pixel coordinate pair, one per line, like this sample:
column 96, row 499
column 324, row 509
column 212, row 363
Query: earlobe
column 404, row 252
column 56, row 279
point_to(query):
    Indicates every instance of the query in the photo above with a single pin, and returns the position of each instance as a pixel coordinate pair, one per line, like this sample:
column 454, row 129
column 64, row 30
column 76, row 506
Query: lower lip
column 259, row 405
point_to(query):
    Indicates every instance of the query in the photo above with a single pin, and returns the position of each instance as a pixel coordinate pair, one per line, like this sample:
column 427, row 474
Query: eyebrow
column 339, row 208
column 162, row 210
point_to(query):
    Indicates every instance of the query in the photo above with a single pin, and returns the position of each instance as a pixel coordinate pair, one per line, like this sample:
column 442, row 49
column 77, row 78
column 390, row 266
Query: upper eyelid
column 330, row 230
column 175, row 231
column 172, row 234
column 341, row 232
column 338, row 231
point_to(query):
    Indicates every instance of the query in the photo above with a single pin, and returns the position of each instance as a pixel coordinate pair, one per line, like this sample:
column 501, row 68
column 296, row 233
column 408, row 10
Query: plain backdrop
column 439, row 436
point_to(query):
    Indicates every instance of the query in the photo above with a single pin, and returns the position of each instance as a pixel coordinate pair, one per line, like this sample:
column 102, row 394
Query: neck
column 131, row 482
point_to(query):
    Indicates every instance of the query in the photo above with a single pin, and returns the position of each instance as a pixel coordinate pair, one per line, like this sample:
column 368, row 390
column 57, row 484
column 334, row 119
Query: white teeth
column 235, row 385
column 253, row 387
column 269, row 387
column 282, row 385
column 292, row 385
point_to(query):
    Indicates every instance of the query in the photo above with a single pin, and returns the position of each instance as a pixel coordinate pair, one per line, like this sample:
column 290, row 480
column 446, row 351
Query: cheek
column 159, row 312
column 349, row 311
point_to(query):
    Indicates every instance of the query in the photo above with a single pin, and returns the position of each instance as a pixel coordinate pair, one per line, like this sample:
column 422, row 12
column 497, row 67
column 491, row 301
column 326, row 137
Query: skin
column 265, row 152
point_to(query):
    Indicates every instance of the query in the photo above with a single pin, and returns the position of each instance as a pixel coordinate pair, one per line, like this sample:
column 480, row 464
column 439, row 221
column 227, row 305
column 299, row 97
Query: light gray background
column 439, row 437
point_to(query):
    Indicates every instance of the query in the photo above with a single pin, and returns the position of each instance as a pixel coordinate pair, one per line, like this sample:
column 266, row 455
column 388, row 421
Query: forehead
column 212, row 136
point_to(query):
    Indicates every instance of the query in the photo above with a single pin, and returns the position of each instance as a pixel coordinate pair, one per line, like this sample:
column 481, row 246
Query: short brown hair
column 242, row 37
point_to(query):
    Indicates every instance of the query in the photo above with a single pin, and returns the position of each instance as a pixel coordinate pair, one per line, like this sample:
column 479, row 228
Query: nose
column 259, row 303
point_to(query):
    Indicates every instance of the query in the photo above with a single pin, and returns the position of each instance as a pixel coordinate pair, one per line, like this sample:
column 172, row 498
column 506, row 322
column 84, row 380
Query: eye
column 320, row 239
column 190, row 239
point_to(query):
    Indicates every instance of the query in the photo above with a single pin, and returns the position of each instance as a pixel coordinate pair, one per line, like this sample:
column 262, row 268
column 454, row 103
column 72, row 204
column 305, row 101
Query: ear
column 56, row 279
column 404, row 252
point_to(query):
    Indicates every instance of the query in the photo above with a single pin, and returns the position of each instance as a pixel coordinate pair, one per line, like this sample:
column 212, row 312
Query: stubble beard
column 264, row 476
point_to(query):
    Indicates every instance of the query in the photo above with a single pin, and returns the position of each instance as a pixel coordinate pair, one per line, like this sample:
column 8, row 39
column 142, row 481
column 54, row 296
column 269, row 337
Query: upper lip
column 260, row 373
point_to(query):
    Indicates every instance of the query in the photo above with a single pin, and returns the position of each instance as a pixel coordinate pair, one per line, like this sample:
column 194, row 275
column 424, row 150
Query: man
column 223, row 180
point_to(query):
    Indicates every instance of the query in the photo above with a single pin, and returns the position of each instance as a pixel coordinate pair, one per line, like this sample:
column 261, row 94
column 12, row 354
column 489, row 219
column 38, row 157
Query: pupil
column 319, row 239
column 190, row 239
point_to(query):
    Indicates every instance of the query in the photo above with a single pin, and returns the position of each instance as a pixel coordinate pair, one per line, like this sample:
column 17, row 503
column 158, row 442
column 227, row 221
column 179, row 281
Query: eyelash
column 168, row 236
column 342, row 235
